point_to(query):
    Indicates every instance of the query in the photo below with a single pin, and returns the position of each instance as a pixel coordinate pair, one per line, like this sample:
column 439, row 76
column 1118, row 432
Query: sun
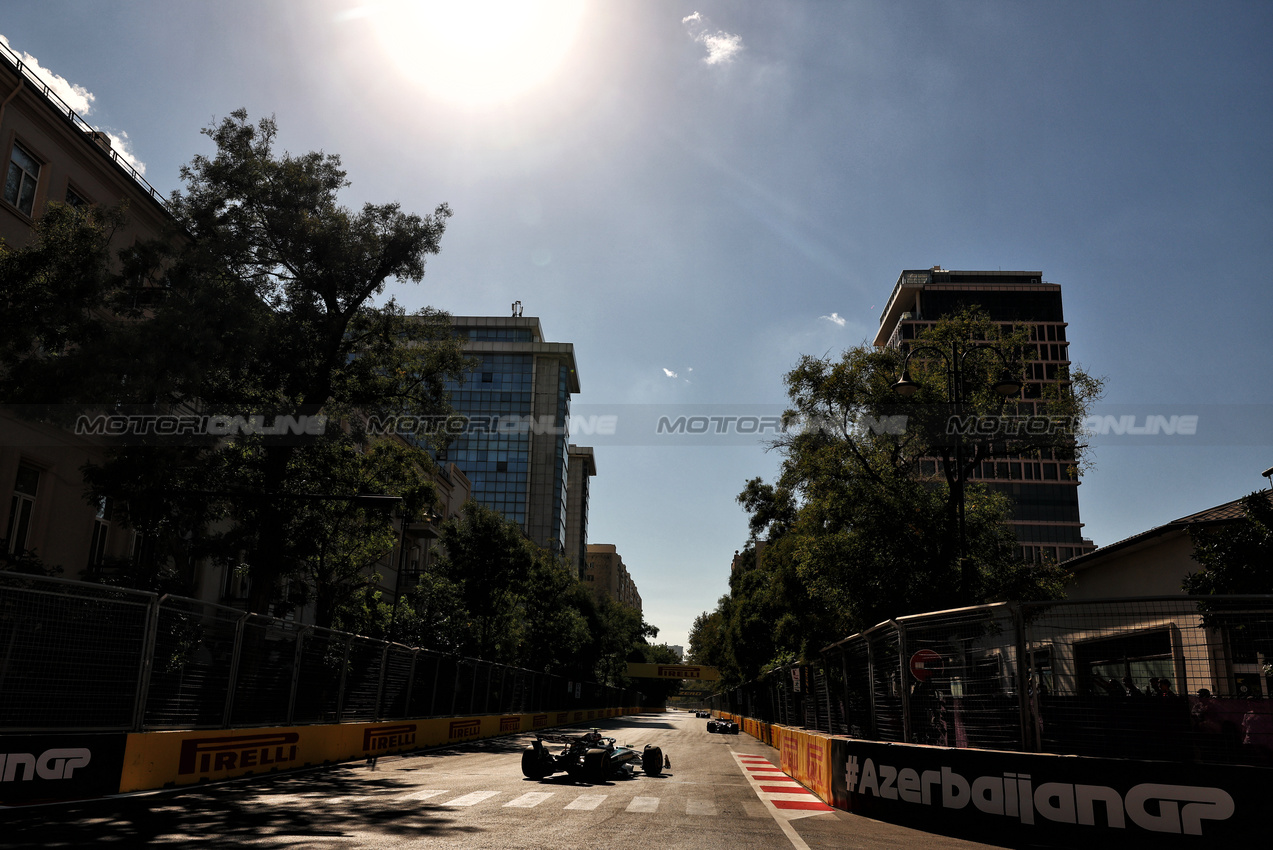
column 478, row 52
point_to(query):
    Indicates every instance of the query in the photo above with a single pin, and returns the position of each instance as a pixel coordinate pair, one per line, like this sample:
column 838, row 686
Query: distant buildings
column 607, row 576
column 516, row 448
column 582, row 467
column 1045, row 513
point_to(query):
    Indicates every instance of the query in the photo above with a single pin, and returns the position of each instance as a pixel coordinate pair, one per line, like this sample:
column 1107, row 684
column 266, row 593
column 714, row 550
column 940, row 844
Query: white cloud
column 119, row 144
column 79, row 99
column 836, row 318
column 670, row 373
column 721, row 46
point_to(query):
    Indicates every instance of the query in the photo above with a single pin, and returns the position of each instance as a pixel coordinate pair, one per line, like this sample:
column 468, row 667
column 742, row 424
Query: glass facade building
column 517, row 402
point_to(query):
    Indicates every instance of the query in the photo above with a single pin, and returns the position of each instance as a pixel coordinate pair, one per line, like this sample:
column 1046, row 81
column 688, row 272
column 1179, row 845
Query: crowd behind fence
column 77, row 656
column 1162, row 678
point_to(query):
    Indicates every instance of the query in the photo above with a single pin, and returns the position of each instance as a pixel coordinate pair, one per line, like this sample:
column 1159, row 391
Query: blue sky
column 697, row 193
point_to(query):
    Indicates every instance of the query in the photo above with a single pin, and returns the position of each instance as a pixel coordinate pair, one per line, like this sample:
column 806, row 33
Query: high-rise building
column 1045, row 514
column 517, row 401
column 582, row 467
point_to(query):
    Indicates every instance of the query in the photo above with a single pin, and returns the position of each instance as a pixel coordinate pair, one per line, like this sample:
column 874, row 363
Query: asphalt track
column 721, row 793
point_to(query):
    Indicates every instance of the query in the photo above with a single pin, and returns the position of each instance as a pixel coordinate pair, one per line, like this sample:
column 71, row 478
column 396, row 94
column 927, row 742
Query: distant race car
column 724, row 727
column 589, row 758
column 702, row 712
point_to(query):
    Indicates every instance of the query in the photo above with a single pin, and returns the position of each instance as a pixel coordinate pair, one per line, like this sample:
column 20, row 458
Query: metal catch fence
column 76, row 656
column 1165, row 678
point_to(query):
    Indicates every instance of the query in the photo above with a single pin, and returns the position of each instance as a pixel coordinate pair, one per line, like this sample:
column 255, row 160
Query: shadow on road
column 329, row 804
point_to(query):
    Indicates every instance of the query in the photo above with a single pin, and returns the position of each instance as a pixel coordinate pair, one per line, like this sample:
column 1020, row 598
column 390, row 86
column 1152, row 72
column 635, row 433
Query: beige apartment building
column 51, row 154
column 606, row 575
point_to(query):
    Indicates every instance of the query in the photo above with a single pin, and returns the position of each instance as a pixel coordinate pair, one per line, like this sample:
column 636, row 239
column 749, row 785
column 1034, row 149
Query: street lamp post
column 1006, row 386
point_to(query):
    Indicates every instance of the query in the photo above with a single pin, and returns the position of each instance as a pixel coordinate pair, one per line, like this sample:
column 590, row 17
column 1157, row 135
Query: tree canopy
column 863, row 521
column 1236, row 557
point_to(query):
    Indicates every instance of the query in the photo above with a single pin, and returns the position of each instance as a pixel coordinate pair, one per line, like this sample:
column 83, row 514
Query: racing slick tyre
column 594, row 766
column 652, row 761
column 533, row 767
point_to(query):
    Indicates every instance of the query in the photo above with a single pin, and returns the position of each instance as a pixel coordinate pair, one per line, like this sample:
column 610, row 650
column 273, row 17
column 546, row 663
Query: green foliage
column 266, row 300
column 858, row 528
column 498, row 596
column 1236, row 557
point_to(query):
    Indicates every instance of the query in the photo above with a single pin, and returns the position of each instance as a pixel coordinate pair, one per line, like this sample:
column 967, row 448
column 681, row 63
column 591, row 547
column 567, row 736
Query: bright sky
column 697, row 193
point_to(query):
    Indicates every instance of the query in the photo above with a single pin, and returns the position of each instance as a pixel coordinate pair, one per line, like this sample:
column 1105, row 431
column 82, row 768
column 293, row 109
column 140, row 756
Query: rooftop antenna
column 517, row 309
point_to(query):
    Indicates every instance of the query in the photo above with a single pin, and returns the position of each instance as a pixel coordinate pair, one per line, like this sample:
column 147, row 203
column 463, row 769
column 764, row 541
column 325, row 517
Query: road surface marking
column 471, row 799
column 529, row 800
column 587, row 802
column 700, row 807
column 643, row 804
column 423, row 795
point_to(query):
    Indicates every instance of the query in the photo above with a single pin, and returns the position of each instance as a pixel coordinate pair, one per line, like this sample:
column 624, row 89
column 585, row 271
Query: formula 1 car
column 701, row 713
column 589, row 758
column 725, row 727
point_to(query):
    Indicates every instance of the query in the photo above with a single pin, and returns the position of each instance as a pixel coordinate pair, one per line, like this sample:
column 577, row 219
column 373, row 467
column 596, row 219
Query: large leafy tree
column 269, row 302
column 863, row 522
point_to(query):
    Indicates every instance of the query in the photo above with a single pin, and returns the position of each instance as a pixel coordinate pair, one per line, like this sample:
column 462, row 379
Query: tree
column 1236, row 557
column 488, row 558
column 263, row 302
column 863, row 523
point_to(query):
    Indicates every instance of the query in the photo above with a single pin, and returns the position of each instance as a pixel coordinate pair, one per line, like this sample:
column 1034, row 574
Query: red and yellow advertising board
column 160, row 759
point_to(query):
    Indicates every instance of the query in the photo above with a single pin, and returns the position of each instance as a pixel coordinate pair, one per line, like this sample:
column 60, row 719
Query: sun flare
column 477, row 52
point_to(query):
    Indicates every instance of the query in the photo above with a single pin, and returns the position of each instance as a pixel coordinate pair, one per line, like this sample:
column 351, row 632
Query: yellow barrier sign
column 672, row 671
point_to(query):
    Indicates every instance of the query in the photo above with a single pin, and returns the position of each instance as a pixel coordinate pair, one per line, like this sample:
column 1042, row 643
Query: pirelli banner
column 1065, row 801
column 160, row 759
column 672, row 671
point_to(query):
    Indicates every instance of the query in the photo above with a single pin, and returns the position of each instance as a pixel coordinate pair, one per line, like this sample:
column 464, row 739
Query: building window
column 20, row 182
column 21, row 508
column 75, row 199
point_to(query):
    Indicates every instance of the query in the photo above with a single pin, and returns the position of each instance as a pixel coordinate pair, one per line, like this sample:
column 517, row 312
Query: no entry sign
column 925, row 664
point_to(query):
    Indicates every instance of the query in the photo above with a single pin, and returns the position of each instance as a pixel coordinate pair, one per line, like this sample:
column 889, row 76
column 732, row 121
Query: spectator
column 1164, row 688
column 1130, row 687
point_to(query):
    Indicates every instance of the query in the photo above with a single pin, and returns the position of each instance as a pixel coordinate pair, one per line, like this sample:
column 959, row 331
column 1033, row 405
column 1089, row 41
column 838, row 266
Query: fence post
column 826, row 692
column 406, row 703
column 870, row 682
column 902, row 683
column 844, row 674
column 1023, row 680
column 344, row 671
column 433, row 693
column 455, row 686
column 235, row 654
column 147, row 665
column 296, row 674
column 380, row 686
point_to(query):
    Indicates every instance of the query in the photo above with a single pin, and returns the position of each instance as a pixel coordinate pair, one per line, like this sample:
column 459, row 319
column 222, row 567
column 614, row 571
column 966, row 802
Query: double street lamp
column 1006, row 386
